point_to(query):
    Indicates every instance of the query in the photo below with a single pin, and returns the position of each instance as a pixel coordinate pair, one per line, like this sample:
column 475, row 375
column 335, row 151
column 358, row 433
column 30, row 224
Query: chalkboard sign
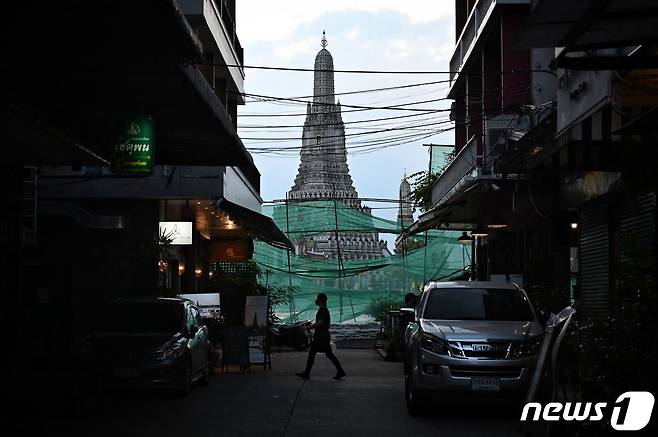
column 257, row 349
column 235, row 347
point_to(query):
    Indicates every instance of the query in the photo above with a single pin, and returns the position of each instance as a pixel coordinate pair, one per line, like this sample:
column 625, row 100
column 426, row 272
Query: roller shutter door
column 594, row 262
column 637, row 239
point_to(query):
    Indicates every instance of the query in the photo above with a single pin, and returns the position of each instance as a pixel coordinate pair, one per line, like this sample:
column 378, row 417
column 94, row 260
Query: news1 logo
column 630, row 412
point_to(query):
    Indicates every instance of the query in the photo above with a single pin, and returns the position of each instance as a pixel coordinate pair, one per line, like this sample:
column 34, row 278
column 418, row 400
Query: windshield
column 142, row 317
column 478, row 304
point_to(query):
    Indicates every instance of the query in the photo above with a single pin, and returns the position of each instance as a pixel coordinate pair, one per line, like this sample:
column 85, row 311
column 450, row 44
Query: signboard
column 255, row 312
column 133, row 150
column 180, row 233
column 257, row 349
column 230, row 250
column 235, row 347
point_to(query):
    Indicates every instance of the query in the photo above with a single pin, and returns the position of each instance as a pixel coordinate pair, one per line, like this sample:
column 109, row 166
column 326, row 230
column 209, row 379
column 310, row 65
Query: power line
column 371, row 90
column 345, row 122
column 312, row 146
column 400, row 107
column 381, row 140
column 364, row 149
column 368, row 108
column 348, row 146
column 263, row 67
column 300, row 101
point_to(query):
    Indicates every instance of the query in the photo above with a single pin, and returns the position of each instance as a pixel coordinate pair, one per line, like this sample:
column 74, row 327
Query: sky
column 362, row 35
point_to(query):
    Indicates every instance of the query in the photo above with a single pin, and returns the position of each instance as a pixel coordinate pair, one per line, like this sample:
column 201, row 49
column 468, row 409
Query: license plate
column 485, row 384
column 125, row 373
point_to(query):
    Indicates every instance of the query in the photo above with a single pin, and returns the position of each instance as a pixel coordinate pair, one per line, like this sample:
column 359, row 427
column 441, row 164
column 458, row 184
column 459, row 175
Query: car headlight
column 526, row 348
column 433, row 343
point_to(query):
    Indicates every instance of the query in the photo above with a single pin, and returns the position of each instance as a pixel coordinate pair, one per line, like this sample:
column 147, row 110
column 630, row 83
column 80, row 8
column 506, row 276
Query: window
column 477, row 304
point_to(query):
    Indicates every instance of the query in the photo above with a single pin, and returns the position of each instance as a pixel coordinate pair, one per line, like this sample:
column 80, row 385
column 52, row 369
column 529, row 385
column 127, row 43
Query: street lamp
column 464, row 239
column 497, row 223
column 478, row 231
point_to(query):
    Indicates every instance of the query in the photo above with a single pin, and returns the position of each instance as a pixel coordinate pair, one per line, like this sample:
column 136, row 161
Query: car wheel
column 186, row 380
column 415, row 401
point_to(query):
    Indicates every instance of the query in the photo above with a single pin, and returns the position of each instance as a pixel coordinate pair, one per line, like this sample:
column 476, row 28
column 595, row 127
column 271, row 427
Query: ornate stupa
column 405, row 210
column 323, row 171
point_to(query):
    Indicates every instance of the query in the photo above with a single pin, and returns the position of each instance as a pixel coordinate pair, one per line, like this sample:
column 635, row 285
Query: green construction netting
column 319, row 216
column 353, row 285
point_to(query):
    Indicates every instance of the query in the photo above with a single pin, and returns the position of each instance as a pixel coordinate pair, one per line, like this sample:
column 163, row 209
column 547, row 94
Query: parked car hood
column 120, row 343
column 481, row 330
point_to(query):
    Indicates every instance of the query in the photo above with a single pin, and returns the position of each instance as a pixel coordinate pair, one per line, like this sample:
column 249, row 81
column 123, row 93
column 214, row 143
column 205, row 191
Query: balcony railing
column 229, row 24
column 474, row 25
column 464, row 164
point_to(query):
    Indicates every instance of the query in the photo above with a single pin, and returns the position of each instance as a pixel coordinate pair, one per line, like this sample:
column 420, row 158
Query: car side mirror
column 407, row 313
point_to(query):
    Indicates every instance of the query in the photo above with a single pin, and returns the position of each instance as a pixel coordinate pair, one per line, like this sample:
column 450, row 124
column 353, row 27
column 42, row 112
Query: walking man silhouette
column 321, row 340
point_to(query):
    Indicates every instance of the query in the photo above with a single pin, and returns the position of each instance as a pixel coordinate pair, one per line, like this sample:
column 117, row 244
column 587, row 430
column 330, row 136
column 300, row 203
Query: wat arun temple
column 324, row 174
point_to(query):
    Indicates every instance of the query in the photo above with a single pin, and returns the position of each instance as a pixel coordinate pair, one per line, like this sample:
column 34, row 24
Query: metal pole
column 340, row 263
column 474, row 260
column 429, row 174
column 291, row 303
column 425, row 260
column 464, row 258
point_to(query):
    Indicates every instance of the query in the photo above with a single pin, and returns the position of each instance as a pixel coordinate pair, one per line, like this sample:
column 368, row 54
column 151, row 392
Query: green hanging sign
column 133, row 151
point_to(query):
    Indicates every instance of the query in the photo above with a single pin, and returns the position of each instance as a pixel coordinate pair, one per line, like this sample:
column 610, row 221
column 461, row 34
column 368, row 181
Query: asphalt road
column 369, row 401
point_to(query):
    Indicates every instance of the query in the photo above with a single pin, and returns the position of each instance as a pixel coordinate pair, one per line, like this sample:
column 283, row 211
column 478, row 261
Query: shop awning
column 457, row 214
column 586, row 24
column 476, row 203
column 257, row 225
column 644, row 124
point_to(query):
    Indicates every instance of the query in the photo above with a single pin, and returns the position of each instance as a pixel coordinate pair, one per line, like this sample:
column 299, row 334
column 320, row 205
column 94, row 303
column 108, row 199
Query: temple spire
column 324, row 174
column 324, row 42
column 323, row 79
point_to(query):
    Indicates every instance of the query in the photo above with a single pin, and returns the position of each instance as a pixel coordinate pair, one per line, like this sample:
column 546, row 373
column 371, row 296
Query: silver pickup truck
column 470, row 338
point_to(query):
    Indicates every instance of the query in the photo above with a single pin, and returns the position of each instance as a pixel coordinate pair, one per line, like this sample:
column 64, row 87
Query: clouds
column 398, row 49
column 265, row 20
column 291, row 49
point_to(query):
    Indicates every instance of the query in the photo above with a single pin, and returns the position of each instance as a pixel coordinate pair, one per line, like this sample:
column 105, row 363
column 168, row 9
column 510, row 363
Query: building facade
column 555, row 138
column 324, row 174
column 133, row 188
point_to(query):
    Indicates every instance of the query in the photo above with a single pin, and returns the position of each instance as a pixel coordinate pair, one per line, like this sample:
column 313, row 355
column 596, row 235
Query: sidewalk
column 370, row 400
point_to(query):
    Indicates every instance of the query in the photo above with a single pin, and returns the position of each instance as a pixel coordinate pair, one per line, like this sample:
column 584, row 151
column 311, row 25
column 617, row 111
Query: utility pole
column 429, row 174
column 291, row 303
column 340, row 263
column 404, row 245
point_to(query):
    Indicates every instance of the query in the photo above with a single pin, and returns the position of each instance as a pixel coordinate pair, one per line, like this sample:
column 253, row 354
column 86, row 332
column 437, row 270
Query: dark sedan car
column 158, row 342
